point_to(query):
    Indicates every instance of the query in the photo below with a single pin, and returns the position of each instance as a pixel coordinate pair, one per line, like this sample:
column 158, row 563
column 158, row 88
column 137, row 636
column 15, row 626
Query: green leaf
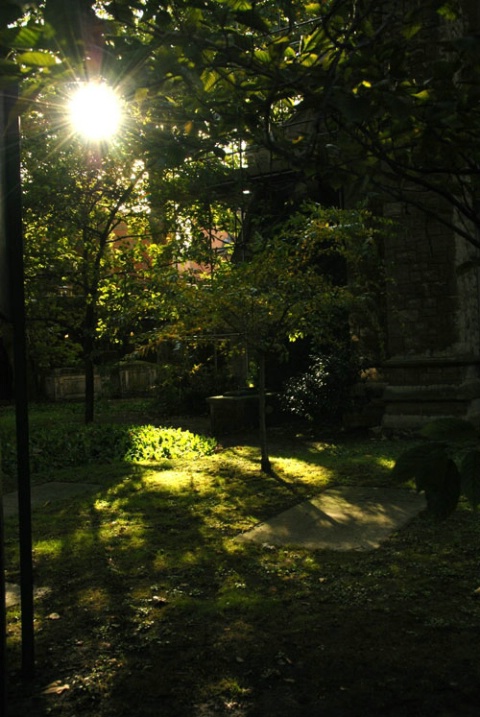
column 448, row 11
column 21, row 38
column 470, row 476
column 422, row 95
column 278, row 47
column 411, row 30
column 310, row 60
column 314, row 41
column 237, row 4
column 262, row 56
column 209, row 79
column 37, row 59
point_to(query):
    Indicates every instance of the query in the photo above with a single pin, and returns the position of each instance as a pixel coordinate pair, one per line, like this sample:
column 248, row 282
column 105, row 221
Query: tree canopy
column 368, row 98
column 88, row 245
column 287, row 290
column 239, row 110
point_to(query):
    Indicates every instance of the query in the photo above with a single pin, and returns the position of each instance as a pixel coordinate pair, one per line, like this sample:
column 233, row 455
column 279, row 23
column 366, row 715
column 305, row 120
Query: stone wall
column 66, row 384
column 422, row 301
column 135, row 378
column 432, row 367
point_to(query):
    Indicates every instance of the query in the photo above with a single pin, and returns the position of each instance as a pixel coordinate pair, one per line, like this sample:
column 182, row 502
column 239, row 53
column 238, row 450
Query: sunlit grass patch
column 296, row 469
column 59, row 444
column 161, row 561
column 48, row 547
column 123, row 536
column 174, row 479
column 239, row 600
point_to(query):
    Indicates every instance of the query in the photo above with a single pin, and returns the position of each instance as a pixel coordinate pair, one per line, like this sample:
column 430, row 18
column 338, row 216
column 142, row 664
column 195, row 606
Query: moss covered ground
column 146, row 605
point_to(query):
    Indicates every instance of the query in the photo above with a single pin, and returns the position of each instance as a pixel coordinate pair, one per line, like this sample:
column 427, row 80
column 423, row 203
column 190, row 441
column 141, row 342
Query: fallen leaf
column 159, row 600
column 55, row 688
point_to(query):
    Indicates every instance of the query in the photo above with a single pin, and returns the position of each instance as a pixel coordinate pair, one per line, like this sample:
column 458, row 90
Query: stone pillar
column 433, row 322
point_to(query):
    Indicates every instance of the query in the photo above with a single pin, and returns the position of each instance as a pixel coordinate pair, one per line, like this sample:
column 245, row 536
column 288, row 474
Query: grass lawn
column 147, row 607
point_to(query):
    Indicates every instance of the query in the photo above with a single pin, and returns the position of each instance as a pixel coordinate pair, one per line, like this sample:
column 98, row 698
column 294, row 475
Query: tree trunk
column 88, row 345
column 262, row 416
column 89, row 390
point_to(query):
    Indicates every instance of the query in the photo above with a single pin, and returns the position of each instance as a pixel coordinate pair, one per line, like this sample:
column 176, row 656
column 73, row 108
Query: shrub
column 148, row 443
column 323, row 391
column 73, row 445
column 445, row 467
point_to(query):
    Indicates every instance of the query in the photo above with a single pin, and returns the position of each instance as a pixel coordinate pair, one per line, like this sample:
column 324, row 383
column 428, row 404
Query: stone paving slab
column 12, row 594
column 343, row 518
column 46, row 493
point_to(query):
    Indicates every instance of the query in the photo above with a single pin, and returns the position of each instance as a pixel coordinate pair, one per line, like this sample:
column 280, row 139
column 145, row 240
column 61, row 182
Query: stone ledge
column 436, row 392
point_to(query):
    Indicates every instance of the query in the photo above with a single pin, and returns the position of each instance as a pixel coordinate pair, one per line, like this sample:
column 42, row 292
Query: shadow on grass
column 150, row 608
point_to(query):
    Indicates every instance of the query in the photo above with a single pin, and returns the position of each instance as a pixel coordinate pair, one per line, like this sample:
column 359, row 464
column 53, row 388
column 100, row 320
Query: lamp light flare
column 95, row 112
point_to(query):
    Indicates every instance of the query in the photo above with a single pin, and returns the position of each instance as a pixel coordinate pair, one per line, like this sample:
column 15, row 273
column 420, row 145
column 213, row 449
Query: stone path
column 46, row 493
column 12, row 594
column 343, row 518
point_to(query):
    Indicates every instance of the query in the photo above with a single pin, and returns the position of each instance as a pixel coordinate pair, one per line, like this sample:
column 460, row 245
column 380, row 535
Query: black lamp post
column 13, row 311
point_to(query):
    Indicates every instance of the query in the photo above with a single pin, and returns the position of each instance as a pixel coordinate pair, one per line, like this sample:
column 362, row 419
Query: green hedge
column 73, row 445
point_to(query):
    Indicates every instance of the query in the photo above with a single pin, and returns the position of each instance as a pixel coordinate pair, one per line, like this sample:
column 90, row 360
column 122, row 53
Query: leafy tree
column 285, row 291
column 36, row 36
column 284, row 100
column 377, row 98
column 406, row 120
column 379, row 94
column 79, row 202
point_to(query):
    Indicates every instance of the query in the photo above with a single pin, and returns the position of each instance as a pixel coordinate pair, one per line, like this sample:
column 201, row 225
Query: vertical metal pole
column 14, row 236
column 4, row 314
column 3, row 610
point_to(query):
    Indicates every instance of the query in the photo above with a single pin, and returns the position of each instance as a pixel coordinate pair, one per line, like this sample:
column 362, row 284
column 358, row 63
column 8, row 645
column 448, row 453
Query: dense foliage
column 323, row 392
column 68, row 444
column 445, row 466
column 237, row 113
